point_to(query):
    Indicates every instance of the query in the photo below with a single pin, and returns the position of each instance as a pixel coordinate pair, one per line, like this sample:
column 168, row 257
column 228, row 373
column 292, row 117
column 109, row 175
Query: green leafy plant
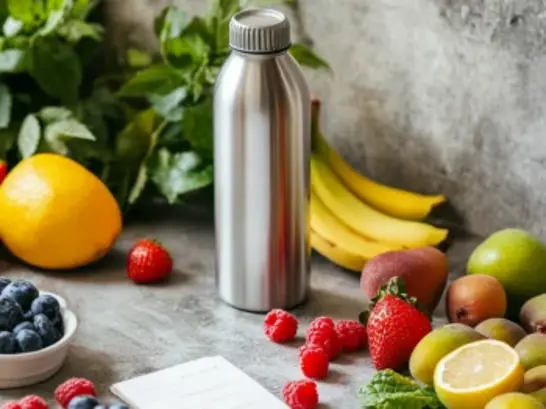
column 145, row 129
column 391, row 390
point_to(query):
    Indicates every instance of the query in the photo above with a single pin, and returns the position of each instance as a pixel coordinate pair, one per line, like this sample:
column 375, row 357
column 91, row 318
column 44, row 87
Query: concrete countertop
column 127, row 330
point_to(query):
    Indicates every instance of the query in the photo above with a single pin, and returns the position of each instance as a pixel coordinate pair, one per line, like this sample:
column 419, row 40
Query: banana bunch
column 354, row 218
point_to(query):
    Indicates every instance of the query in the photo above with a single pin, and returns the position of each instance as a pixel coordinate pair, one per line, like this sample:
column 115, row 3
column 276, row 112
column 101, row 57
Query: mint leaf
column 182, row 52
column 390, row 390
column 82, row 8
column 133, row 142
column 139, row 184
column 197, row 125
column 12, row 61
column 168, row 106
column 53, row 21
column 58, row 133
column 137, row 58
column 159, row 79
column 199, row 27
column 76, row 30
column 29, row 136
column 306, row 57
column 142, row 176
column 4, row 13
column 54, row 114
column 34, row 13
column 170, row 23
column 56, row 68
column 7, row 138
column 12, row 27
column 5, row 106
column 179, row 173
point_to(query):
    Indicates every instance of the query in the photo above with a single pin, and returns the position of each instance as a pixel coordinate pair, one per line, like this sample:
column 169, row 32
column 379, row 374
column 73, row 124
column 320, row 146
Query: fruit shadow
column 81, row 362
column 322, row 302
column 335, row 377
column 109, row 269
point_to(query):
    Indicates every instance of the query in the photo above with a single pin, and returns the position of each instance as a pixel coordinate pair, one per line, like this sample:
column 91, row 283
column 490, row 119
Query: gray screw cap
column 259, row 31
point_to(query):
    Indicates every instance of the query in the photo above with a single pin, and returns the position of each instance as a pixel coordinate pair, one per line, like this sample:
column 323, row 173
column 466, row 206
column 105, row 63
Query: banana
column 337, row 255
column 332, row 229
column 395, row 202
column 364, row 219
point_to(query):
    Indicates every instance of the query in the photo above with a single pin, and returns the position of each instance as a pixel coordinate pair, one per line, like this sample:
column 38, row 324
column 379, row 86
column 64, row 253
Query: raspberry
column 11, row 405
column 33, row 402
column 314, row 361
column 73, row 387
column 326, row 338
column 301, row 394
column 352, row 335
column 280, row 326
column 319, row 323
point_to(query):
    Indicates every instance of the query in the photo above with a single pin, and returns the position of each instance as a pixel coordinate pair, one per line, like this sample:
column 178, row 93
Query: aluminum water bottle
column 262, row 144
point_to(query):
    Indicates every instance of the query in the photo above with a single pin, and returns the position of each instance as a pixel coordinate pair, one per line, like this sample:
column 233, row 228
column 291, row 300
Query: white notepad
column 206, row 383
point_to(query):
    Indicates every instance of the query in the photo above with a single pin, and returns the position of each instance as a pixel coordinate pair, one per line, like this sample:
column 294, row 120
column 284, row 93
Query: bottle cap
column 259, row 31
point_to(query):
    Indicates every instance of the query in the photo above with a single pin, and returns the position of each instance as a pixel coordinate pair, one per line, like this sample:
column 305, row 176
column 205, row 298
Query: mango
column 534, row 379
column 517, row 259
column 514, row 400
column 437, row 344
column 424, row 272
column 501, row 329
column 532, row 350
column 475, row 298
column 533, row 314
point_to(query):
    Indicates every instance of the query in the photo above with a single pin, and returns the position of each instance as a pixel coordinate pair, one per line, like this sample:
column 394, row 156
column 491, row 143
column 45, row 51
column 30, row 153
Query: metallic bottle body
column 262, row 147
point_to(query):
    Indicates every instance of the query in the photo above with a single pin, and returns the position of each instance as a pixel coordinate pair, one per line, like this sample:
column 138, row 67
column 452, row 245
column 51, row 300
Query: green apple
column 517, row 259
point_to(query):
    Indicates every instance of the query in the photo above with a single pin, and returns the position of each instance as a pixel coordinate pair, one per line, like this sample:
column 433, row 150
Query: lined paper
column 206, row 383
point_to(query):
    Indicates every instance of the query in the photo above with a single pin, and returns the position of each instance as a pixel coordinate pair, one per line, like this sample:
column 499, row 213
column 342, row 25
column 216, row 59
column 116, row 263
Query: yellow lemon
column 514, row 400
column 472, row 375
column 55, row 214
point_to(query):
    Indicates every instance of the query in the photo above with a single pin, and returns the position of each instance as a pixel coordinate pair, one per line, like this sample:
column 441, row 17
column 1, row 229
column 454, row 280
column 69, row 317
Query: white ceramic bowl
column 30, row 368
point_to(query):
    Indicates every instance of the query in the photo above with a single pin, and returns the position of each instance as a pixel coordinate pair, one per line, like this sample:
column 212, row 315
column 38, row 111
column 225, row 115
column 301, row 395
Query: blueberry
column 29, row 315
column 4, row 282
column 48, row 305
column 10, row 313
column 46, row 330
column 7, row 343
column 118, row 406
column 28, row 341
column 22, row 291
column 24, row 325
column 83, row 402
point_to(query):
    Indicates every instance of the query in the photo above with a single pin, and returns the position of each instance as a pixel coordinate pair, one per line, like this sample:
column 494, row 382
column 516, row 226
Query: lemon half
column 472, row 375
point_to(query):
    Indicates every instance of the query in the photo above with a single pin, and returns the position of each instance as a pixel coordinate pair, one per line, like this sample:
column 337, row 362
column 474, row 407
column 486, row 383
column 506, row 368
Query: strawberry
column 148, row 262
column 395, row 326
column 3, row 170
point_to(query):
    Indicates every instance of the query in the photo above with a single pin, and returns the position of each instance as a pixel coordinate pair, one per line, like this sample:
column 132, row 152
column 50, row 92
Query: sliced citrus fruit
column 473, row 374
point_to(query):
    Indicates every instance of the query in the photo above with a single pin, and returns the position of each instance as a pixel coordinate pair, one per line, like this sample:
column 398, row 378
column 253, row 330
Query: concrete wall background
column 429, row 95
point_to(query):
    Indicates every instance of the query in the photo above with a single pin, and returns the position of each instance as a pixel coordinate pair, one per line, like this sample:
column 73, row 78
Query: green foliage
column 146, row 130
column 391, row 390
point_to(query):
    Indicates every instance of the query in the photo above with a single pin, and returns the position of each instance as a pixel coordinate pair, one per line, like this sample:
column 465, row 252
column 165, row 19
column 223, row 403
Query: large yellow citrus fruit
column 55, row 214
column 475, row 373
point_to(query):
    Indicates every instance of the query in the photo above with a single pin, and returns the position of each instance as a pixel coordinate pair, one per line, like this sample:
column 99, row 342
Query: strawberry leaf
column 396, row 287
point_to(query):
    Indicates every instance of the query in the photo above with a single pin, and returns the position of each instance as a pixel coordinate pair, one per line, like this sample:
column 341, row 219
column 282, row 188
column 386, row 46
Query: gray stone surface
column 430, row 95
column 127, row 330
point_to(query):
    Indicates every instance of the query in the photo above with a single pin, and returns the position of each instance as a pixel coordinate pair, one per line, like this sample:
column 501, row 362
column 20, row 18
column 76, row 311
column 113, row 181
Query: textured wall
column 431, row 95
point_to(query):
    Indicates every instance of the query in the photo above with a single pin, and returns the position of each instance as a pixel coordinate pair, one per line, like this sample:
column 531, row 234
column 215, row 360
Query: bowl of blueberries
column 36, row 328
